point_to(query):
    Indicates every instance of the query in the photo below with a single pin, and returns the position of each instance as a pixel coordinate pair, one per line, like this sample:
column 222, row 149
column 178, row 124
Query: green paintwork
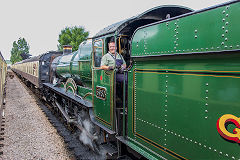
column 85, row 92
column 174, row 102
column 103, row 108
column 208, row 31
column 63, row 68
column 77, row 66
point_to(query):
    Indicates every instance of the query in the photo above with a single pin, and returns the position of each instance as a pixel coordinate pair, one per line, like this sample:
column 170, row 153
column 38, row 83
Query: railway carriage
column 3, row 73
column 180, row 96
column 36, row 70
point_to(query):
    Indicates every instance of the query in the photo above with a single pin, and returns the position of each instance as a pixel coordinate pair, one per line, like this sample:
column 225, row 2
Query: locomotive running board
column 68, row 95
column 79, row 100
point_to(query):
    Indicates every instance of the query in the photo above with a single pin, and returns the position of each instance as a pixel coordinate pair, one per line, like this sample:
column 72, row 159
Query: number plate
column 101, row 92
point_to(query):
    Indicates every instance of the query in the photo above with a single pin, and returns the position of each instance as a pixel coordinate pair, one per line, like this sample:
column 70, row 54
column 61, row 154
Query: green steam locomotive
column 180, row 95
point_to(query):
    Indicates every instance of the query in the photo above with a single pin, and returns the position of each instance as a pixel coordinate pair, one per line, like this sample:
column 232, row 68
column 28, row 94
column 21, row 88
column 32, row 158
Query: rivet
column 210, row 148
column 166, row 76
column 206, row 97
column 195, row 36
column 225, row 46
column 175, row 23
column 226, row 39
column 237, row 46
column 223, row 19
column 206, row 111
column 177, row 26
column 206, row 48
column 176, row 38
column 175, row 29
column 227, row 15
column 222, row 35
column 206, row 117
column 222, row 43
column 231, row 46
column 175, row 42
column 224, row 12
column 206, row 84
column 226, row 155
column 226, row 31
column 220, row 152
column 174, row 47
column 206, row 104
column 215, row 150
column 218, row 47
column 196, row 49
column 227, row 7
column 226, row 23
column 175, row 35
column 195, row 31
column 223, row 27
column 176, row 32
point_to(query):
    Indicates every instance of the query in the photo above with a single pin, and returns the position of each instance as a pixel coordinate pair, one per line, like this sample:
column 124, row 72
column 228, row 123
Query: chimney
column 67, row 49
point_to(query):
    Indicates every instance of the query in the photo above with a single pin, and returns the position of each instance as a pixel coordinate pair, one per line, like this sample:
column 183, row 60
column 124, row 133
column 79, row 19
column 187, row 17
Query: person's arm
column 106, row 67
column 124, row 66
column 104, row 64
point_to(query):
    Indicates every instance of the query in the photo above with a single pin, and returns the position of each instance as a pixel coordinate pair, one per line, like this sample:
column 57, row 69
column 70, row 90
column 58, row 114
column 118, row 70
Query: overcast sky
column 40, row 21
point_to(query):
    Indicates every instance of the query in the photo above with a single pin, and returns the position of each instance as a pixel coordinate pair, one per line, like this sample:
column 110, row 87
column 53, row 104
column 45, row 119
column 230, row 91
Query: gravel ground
column 28, row 134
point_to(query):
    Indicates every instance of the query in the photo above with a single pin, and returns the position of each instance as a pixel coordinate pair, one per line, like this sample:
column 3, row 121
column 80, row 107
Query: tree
column 21, row 47
column 72, row 36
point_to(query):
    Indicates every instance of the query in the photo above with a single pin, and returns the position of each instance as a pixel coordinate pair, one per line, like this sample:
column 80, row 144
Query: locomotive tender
column 180, row 98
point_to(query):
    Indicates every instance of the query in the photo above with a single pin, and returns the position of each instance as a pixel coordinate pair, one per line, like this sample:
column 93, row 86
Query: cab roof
column 150, row 16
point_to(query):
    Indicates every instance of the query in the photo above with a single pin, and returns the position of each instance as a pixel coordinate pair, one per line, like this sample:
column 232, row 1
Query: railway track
column 67, row 132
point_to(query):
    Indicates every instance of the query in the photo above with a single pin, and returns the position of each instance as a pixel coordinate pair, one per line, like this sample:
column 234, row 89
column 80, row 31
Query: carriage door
column 103, row 88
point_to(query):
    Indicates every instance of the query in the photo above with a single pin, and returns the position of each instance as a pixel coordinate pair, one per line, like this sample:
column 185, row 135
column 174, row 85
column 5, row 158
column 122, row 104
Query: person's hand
column 123, row 67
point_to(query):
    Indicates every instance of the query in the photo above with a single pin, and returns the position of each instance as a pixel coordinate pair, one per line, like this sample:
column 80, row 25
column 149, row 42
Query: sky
column 41, row 21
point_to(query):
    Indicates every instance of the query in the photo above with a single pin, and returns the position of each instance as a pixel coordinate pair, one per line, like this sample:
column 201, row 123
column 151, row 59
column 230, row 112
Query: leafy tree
column 72, row 36
column 21, row 47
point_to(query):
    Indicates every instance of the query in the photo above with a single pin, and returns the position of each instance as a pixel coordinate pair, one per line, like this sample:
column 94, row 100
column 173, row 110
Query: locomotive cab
column 110, row 97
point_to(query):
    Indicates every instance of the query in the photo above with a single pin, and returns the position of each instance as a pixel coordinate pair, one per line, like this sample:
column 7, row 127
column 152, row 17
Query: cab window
column 98, row 52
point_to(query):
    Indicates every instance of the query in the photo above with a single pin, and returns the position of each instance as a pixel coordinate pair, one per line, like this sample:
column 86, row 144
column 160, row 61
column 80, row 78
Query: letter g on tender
column 222, row 124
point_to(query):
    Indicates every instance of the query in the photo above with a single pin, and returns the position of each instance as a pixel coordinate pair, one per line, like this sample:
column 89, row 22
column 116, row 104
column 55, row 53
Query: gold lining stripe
column 190, row 74
column 185, row 70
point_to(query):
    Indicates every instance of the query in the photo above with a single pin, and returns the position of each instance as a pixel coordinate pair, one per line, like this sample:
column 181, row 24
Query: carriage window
column 98, row 52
